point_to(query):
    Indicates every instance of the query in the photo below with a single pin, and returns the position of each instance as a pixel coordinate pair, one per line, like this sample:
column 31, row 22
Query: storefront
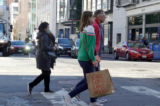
column 150, row 26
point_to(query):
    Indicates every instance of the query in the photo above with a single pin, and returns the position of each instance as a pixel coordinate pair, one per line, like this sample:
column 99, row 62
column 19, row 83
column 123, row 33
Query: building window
column 153, row 18
column 104, row 5
column 137, row 20
column 85, row 5
column 15, row 15
column 89, row 5
column 118, row 38
column 15, row 9
column 99, row 4
column 153, row 34
column 94, row 5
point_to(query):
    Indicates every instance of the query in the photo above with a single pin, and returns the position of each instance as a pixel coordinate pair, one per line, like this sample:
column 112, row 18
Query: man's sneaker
column 102, row 100
column 67, row 100
column 48, row 91
column 95, row 104
column 77, row 96
column 29, row 88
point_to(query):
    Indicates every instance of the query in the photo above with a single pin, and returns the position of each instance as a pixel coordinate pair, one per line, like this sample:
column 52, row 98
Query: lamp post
column 72, row 12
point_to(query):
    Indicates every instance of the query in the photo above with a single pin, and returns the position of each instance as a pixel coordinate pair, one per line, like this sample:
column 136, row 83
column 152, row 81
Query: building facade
column 136, row 19
column 3, row 2
column 107, row 7
column 13, row 14
column 21, row 21
column 31, row 17
column 65, row 16
column 46, row 12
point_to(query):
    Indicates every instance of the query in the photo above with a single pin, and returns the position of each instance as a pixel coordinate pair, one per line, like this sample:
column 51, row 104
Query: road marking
column 142, row 90
column 57, row 99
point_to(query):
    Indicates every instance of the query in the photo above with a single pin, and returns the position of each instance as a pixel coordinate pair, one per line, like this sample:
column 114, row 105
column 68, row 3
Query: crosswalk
column 57, row 98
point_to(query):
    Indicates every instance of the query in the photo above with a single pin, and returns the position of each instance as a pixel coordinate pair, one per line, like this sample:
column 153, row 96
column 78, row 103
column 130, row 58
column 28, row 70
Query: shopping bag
column 100, row 83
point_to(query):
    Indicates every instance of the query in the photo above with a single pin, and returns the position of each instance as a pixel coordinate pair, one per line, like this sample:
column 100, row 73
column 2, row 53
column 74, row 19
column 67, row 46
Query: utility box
column 156, row 50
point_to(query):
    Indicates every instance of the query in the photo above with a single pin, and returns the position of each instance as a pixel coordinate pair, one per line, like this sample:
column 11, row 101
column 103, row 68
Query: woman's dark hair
column 43, row 26
column 85, row 19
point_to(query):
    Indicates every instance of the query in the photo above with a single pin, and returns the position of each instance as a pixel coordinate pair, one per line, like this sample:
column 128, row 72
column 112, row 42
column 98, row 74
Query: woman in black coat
column 46, row 43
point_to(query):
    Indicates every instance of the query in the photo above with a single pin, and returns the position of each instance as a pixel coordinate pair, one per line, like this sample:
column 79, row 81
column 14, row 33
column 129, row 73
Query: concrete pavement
column 137, row 83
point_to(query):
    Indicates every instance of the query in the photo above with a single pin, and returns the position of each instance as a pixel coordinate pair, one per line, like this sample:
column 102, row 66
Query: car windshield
column 64, row 41
column 1, row 28
column 18, row 43
column 136, row 45
column 30, row 44
column 77, row 41
column 71, row 41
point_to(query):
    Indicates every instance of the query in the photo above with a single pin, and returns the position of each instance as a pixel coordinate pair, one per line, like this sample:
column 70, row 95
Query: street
column 137, row 83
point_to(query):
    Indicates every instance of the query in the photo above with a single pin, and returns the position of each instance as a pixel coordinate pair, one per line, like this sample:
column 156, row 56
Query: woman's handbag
column 96, row 57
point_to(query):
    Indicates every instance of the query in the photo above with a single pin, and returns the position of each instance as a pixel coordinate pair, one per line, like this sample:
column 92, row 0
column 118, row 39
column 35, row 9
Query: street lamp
column 72, row 12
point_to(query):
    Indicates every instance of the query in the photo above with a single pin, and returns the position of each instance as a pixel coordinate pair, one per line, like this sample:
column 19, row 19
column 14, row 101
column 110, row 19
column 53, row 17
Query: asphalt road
column 137, row 83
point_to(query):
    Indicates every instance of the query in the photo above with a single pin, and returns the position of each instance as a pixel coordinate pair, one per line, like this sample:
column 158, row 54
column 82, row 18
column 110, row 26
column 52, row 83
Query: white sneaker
column 102, row 100
column 95, row 104
column 67, row 100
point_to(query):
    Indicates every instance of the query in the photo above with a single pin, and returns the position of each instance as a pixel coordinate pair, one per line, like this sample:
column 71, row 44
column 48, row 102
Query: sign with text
column 100, row 83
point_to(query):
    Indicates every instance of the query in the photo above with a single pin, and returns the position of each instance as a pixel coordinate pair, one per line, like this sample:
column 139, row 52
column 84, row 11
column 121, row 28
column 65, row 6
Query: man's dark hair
column 98, row 12
column 35, row 28
column 43, row 26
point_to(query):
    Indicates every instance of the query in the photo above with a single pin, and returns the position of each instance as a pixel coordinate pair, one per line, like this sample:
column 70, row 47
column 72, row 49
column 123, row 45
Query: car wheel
column 115, row 55
column 5, row 51
column 150, row 60
column 69, row 55
column 135, row 59
column 127, row 56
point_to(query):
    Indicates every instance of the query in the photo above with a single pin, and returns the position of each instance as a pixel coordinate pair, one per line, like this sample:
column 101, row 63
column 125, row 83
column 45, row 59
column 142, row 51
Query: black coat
column 44, row 41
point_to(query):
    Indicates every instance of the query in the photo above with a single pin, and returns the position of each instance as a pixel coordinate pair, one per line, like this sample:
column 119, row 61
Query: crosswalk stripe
column 142, row 90
column 57, row 98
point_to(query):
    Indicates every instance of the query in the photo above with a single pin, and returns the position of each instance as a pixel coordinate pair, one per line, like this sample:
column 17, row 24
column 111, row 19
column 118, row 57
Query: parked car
column 71, row 41
column 19, row 47
column 64, row 46
column 133, row 50
column 75, row 48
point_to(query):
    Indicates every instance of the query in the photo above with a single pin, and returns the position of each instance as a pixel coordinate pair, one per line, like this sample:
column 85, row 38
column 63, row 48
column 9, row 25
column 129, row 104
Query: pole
column 72, row 23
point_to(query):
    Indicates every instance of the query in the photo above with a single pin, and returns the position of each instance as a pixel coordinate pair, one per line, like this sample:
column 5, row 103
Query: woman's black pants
column 46, row 76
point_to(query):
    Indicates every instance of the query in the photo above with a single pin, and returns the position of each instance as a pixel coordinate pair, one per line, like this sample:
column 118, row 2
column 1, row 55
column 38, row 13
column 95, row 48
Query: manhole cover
column 71, row 82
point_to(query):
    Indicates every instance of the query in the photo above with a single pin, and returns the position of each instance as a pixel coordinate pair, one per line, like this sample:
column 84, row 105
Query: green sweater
column 89, row 40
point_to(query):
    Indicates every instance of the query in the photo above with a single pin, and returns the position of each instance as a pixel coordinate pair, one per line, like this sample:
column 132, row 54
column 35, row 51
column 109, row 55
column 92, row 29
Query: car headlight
column 3, row 41
column 60, row 47
column 12, row 47
column 133, row 51
column 151, row 52
column 27, row 48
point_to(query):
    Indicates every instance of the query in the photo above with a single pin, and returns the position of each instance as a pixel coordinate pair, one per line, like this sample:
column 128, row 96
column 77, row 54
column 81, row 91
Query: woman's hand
column 95, row 63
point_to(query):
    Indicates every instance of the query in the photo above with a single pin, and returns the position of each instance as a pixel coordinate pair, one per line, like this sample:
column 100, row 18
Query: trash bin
column 156, row 50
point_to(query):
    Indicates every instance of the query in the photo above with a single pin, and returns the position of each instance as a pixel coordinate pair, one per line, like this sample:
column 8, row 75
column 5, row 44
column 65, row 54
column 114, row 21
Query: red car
column 133, row 50
column 19, row 47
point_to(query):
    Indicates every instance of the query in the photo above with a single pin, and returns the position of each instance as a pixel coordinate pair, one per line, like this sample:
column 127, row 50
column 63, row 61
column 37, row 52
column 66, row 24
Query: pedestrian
column 100, row 17
column 34, row 41
column 44, row 62
column 144, row 41
column 85, row 57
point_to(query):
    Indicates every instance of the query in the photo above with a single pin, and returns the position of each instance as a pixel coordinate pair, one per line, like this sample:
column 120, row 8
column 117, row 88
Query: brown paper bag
column 100, row 83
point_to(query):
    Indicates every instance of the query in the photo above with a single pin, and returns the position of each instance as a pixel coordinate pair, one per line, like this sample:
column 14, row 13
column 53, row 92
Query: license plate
column 19, row 50
column 68, row 51
column 144, row 56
